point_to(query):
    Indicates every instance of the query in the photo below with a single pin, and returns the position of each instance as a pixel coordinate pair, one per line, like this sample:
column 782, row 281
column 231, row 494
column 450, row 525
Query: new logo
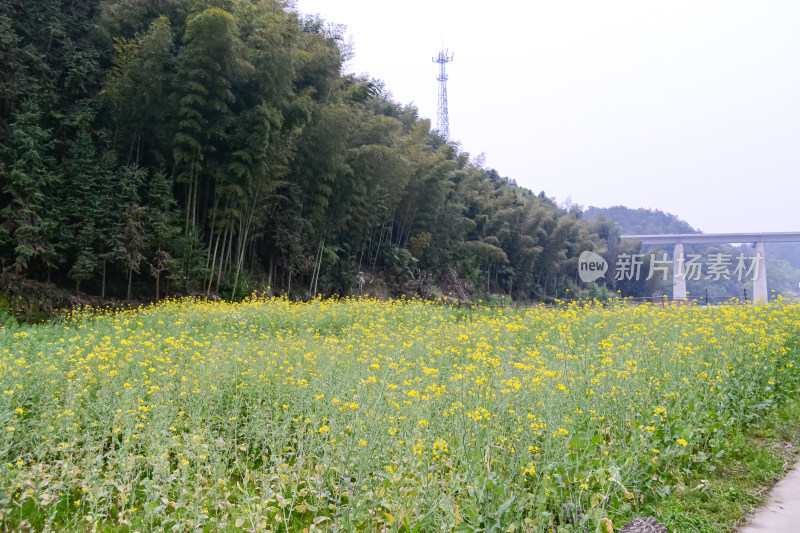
column 591, row 266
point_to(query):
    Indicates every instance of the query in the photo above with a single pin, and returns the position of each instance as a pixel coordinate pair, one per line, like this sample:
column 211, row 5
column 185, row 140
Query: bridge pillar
column 678, row 274
column 760, row 276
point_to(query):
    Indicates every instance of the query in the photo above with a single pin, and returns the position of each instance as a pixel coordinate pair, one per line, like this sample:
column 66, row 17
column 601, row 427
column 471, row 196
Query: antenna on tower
column 442, row 117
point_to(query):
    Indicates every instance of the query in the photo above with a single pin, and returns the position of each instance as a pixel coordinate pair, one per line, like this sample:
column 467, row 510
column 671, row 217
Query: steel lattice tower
column 442, row 118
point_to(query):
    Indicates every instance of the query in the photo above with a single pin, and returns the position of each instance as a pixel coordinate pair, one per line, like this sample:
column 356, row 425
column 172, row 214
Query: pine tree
column 131, row 229
column 84, row 174
column 162, row 223
column 27, row 224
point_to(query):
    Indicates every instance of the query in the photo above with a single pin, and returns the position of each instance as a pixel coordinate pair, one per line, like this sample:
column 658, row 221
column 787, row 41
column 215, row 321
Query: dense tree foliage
column 641, row 221
column 215, row 147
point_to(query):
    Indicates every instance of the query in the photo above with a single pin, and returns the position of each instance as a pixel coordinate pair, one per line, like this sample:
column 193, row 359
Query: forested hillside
column 155, row 147
column 641, row 221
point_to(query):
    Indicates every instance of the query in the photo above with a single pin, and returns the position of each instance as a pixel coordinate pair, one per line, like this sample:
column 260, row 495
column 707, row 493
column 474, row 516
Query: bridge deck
column 712, row 238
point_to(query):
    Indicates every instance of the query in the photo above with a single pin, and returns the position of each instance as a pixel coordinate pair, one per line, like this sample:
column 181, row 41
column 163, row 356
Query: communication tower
column 442, row 118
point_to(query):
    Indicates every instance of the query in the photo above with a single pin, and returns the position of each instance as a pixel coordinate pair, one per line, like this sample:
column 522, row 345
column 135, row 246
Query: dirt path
column 781, row 512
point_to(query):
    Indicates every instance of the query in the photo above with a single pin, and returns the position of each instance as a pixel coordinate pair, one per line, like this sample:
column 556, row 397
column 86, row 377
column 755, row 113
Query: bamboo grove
column 152, row 147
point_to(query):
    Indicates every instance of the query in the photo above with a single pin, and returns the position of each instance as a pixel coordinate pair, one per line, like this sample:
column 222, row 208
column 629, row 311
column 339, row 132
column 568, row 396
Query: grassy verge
column 737, row 483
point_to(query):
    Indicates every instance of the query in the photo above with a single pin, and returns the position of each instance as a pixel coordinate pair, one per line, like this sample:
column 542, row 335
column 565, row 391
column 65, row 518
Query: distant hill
column 641, row 221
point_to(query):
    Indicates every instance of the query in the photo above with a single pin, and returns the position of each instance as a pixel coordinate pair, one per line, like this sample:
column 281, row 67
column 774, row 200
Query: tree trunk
column 361, row 257
column 378, row 248
column 130, row 278
column 244, row 235
column 221, row 261
column 103, row 284
column 316, row 263
column 213, row 264
column 369, row 248
column 194, row 201
column 404, row 242
column 317, row 268
column 211, row 239
column 189, row 199
column 228, row 254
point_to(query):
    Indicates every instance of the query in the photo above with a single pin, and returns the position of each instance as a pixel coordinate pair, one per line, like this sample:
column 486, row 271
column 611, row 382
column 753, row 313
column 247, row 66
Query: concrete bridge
column 679, row 264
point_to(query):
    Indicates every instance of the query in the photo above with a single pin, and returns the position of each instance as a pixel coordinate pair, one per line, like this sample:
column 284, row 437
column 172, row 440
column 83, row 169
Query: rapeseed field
column 364, row 415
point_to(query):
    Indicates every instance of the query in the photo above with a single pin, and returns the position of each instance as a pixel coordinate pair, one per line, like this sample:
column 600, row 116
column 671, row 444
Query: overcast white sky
column 688, row 106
